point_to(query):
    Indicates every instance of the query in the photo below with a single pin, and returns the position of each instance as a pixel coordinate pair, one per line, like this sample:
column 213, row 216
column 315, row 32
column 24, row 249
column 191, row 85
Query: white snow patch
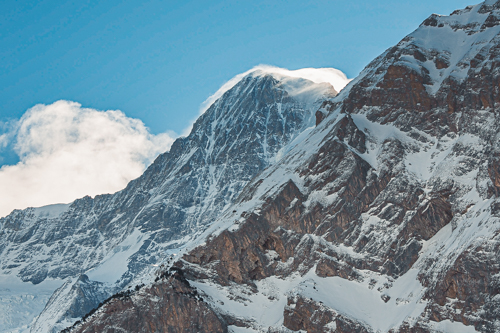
column 113, row 267
column 51, row 211
column 356, row 300
column 236, row 329
column 452, row 326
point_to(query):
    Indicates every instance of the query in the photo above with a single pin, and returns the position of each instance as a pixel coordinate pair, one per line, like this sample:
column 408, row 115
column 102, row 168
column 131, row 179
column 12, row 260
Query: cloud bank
column 67, row 152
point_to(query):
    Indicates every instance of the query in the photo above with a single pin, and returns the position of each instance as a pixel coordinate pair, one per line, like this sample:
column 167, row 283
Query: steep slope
column 113, row 238
column 384, row 218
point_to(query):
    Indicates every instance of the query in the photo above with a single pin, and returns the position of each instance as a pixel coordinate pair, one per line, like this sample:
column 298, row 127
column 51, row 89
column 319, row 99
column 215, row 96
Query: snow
column 302, row 90
column 45, row 321
column 378, row 133
column 349, row 298
column 449, row 242
column 423, row 160
column 236, row 329
column 21, row 302
column 115, row 264
column 356, row 300
column 264, row 309
column 452, row 327
column 332, row 326
column 283, row 151
column 352, row 299
column 51, row 211
column 332, row 76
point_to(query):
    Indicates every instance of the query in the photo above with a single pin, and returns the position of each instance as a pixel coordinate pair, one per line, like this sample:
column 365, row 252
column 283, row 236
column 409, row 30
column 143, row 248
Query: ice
column 21, row 302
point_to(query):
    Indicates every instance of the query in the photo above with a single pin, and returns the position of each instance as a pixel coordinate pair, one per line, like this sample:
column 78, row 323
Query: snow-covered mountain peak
column 447, row 44
column 439, row 55
column 309, row 77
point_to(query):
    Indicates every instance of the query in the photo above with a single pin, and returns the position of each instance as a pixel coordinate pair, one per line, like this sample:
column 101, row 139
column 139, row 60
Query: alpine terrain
column 290, row 208
column 59, row 262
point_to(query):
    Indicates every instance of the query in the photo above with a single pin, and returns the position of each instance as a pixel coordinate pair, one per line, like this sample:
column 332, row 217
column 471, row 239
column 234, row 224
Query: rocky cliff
column 384, row 218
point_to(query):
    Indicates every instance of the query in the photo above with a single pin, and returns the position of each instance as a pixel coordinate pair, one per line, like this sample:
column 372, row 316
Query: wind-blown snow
column 50, row 211
column 337, row 79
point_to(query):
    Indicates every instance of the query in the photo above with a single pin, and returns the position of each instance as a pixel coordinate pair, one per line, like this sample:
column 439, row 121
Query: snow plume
column 317, row 75
column 332, row 76
column 67, row 152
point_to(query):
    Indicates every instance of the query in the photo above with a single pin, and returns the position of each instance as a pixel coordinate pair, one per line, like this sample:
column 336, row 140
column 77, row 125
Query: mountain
column 95, row 247
column 383, row 218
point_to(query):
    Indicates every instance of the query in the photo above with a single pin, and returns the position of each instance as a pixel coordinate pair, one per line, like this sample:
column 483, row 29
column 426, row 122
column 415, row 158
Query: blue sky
column 156, row 61
column 159, row 60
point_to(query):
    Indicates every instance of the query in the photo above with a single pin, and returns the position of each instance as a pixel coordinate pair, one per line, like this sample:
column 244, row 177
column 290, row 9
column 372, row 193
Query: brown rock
column 310, row 316
column 167, row 306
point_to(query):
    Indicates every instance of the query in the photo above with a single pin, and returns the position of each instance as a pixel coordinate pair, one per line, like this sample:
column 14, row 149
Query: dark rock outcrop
column 170, row 305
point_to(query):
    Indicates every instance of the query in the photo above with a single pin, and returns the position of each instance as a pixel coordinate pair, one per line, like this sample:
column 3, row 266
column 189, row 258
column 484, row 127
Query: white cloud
column 7, row 129
column 67, row 152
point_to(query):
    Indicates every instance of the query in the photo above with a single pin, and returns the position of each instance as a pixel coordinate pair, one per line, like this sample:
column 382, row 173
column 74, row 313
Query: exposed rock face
column 69, row 301
column 306, row 315
column 171, row 305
